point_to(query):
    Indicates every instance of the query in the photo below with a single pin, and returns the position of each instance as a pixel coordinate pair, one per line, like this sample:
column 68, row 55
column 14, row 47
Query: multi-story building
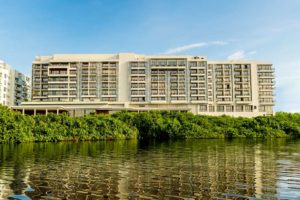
column 109, row 82
column 5, row 84
column 14, row 86
column 22, row 88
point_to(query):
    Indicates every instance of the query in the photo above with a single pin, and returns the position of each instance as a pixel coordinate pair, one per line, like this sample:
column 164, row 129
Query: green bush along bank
column 15, row 127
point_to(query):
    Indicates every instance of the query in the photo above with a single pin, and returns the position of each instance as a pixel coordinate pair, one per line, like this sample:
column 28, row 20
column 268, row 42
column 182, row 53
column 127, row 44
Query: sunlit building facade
column 15, row 87
column 104, row 83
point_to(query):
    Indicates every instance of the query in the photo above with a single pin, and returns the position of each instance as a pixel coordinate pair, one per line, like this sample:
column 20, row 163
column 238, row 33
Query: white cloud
column 241, row 54
column 185, row 48
column 237, row 55
column 193, row 46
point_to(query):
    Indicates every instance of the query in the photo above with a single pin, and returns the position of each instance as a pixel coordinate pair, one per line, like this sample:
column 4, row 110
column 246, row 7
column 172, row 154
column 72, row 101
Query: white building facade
column 104, row 83
column 15, row 87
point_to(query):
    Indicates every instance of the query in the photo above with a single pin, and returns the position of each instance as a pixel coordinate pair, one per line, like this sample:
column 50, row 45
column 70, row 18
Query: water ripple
column 200, row 169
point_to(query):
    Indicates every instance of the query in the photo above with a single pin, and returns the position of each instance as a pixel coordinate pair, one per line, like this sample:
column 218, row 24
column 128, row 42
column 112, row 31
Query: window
column 265, row 108
column 248, row 108
column 172, row 63
column 239, row 108
column 229, row 108
column 181, row 63
column 193, row 64
column 202, row 108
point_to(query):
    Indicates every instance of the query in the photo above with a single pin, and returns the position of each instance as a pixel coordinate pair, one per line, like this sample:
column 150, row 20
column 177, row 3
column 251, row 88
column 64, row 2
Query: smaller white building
column 5, row 84
column 14, row 86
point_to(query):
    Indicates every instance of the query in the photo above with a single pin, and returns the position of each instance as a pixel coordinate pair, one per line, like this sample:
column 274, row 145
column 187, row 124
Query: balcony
column 224, row 95
column 197, row 88
column 158, row 79
column 266, row 76
column 60, row 81
column 242, row 89
column 267, row 83
column 266, row 95
column 108, row 95
column 197, row 73
column 138, row 81
column 197, row 67
column 138, row 95
column 60, row 89
column 265, row 70
column 197, row 80
column 239, row 81
column 58, row 95
column 108, row 79
column 88, row 96
column 238, row 69
column 198, row 95
column 58, row 73
column 266, row 88
column 91, row 66
column 243, row 102
column 168, row 67
column 173, row 79
column 137, row 66
column 262, row 102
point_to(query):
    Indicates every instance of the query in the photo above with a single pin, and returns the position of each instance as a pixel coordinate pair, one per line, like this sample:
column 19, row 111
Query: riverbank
column 15, row 127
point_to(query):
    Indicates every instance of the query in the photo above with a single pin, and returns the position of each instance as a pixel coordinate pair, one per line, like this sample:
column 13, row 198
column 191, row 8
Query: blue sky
column 266, row 30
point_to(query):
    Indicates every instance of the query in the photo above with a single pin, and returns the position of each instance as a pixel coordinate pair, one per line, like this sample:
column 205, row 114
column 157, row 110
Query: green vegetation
column 164, row 125
column 15, row 127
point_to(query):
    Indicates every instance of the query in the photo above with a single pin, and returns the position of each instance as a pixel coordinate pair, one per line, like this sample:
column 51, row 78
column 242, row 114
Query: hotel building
column 104, row 83
column 14, row 86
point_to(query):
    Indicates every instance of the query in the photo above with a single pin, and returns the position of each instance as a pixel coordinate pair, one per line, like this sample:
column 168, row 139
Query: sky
column 267, row 30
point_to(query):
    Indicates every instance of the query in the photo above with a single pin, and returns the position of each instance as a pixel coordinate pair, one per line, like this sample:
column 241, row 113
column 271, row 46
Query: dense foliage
column 187, row 125
column 15, row 127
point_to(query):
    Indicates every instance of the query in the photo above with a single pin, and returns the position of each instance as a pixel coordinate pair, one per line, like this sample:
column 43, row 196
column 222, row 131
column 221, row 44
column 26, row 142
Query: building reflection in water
column 14, row 176
column 201, row 169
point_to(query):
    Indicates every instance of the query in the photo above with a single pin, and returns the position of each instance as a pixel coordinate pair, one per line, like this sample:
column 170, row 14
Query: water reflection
column 193, row 169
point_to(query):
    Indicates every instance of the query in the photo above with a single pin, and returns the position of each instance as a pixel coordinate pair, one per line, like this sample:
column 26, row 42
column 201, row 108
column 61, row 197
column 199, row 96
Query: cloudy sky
column 267, row 30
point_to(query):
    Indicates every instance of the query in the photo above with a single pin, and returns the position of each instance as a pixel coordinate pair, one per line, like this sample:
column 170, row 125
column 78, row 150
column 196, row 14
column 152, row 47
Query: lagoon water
column 186, row 169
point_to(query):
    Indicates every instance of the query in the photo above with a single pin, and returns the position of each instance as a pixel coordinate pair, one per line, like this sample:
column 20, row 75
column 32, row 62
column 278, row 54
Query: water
column 192, row 169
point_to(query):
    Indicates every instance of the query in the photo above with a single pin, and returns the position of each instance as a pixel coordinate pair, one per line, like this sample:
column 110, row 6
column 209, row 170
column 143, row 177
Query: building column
column 46, row 112
column 57, row 111
column 34, row 112
column 23, row 111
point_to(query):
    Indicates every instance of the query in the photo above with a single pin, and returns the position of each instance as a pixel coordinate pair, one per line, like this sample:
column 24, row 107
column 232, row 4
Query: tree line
column 17, row 128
